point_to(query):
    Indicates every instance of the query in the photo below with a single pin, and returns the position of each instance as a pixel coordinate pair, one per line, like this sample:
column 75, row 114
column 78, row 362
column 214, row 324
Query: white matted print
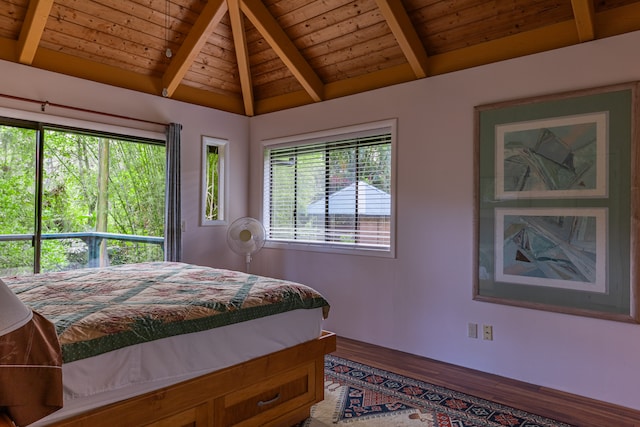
column 552, row 158
column 554, row 247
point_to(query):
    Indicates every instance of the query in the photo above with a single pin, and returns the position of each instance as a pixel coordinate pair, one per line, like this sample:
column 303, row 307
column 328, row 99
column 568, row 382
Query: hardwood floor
column 572, row 409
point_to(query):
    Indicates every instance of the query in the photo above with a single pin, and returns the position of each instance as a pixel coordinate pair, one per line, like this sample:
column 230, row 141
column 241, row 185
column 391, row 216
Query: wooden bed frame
column 275, row 390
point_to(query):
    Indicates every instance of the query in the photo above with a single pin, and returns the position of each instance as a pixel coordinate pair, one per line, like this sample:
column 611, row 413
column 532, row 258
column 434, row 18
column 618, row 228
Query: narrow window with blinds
column 332, row 191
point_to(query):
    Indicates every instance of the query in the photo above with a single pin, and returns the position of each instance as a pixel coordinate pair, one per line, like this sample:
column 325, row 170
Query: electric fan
column 246, row 237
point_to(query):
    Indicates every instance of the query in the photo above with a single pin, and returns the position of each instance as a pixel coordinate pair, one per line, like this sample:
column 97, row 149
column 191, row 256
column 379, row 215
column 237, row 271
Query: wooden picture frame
column 557, row 203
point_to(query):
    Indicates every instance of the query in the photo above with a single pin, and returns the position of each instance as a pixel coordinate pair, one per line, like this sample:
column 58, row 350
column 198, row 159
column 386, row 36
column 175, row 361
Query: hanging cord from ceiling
column 167, row 23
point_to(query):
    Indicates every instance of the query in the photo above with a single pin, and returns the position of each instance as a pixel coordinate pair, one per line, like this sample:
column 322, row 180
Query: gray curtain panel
column 173, row 219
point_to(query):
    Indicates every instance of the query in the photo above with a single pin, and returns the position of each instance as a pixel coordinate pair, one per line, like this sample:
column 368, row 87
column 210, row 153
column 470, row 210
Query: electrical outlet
column 487, row 332
column 472, row 330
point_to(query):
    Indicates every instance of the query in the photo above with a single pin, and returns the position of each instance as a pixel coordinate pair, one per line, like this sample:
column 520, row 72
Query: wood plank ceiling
column 252, row 57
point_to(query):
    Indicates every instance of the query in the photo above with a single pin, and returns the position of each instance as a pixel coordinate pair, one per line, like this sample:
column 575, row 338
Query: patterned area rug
column 359, row 395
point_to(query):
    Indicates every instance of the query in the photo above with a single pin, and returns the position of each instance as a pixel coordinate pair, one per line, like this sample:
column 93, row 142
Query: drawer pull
column 268, row 402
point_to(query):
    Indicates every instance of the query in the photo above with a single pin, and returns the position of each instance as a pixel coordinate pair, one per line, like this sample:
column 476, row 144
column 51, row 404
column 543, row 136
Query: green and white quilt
column 102, row 309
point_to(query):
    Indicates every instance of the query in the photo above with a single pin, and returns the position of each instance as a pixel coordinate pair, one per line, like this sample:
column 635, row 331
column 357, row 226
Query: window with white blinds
column 333, row 191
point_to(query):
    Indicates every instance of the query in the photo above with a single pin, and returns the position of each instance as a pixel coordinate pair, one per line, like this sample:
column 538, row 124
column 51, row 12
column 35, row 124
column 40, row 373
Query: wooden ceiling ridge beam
column 584, row 15
column 32, row 29
column 405, row 33
column 207, row 21
column 242, row 55
column 269, row 28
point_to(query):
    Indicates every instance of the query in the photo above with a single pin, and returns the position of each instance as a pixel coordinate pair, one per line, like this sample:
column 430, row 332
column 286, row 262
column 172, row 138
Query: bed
column 171, row 344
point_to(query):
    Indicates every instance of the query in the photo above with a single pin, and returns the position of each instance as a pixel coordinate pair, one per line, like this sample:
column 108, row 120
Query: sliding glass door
column 18, row 147
column 72, row 199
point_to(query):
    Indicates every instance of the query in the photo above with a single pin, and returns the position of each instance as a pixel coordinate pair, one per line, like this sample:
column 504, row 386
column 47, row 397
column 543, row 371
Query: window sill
column 334, row 249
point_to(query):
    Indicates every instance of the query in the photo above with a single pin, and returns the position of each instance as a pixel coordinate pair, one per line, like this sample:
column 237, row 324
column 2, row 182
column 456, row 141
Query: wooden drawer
column 192, row 417
column 267, row 399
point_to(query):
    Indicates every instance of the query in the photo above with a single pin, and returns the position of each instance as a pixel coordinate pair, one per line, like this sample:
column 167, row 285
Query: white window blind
column 335, row 192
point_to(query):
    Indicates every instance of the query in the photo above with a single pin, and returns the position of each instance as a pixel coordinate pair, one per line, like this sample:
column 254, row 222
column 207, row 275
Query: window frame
column 222, row 145
column 330, row 135
column 72, row 126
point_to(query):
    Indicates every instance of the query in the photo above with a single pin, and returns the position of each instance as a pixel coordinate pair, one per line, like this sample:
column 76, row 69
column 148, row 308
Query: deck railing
column 93, row 240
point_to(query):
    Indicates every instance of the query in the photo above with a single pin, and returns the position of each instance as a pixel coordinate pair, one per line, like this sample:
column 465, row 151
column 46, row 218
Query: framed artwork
column 557, row 203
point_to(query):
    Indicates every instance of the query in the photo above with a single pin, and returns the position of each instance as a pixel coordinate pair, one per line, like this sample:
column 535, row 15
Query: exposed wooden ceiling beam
column 583, row 12
column 58, row 62
column 530, row 42
column 87, row 69
column 242, row 55
column 260, row 17
column 8, row 49
column 351, row 86
column 209, row 99
column 609, row 23
column 623, row 19
column 32, row 28
column 406, row 35
column 197, row 37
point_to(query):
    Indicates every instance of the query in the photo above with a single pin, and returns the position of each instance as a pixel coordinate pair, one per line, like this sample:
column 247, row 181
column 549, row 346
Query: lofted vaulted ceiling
column 251, row 57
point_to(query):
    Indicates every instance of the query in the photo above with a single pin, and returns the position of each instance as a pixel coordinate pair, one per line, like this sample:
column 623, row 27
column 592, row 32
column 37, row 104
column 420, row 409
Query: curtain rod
column 44, row 104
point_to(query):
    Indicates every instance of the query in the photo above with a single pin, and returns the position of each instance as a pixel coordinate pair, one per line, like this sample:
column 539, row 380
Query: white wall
column 421, row 301
column 201, row 245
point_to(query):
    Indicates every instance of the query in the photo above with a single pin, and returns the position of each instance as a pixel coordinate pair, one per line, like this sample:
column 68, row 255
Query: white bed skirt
column 131, row 371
